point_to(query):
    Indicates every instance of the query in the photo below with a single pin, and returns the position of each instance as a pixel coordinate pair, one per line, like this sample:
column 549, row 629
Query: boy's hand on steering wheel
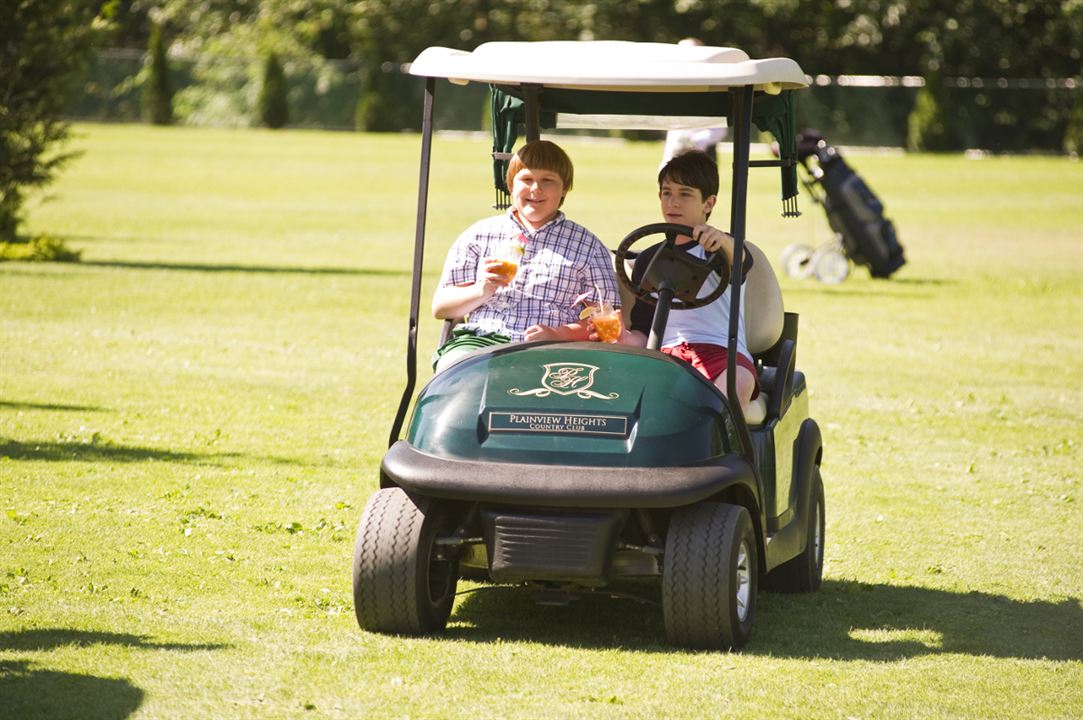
column 712, row 239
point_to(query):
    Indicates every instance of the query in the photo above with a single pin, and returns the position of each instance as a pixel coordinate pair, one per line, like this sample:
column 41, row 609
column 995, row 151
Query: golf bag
column 853, row 211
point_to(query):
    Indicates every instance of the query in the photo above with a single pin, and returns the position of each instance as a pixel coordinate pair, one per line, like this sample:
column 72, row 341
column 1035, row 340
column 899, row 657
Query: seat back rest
column 780, row 378
column 762, row 304
column 789, row 332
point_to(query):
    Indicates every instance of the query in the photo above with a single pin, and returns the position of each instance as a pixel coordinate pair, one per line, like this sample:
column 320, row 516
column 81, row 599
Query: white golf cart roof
column 614, row 66
column 611, row 65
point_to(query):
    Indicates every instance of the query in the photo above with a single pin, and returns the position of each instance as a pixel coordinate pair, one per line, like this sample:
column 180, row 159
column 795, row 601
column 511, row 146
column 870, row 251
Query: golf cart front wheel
column 710, row 577
column 403, row 581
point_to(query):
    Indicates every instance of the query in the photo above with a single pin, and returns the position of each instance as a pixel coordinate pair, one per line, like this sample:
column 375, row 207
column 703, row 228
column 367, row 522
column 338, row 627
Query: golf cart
column 565, row 466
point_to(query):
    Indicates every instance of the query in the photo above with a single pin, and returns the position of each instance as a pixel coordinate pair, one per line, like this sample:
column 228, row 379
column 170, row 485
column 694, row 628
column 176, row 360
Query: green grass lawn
column 192, row 418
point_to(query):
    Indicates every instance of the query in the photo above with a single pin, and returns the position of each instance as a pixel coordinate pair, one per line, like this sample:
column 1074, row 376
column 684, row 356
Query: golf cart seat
column 765, row 319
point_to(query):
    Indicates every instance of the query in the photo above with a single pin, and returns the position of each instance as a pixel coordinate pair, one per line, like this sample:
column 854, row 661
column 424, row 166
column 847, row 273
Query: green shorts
column 464, row 340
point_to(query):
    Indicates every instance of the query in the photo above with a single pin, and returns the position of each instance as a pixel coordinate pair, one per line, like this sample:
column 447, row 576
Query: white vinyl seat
column 765, row 318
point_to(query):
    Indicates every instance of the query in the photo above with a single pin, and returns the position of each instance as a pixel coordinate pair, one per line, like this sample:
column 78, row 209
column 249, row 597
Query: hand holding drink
column 606, row 321
column 503, row 268
column 507, row 263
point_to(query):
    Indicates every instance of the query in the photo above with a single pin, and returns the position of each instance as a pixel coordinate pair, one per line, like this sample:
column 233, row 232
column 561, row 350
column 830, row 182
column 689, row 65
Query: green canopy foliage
column 1035, row 39
column 931, row 38
column 34, row 86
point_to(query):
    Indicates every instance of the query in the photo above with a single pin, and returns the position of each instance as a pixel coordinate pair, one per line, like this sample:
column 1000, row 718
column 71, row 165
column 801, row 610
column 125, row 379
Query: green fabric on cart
column 464, row 340
column 774, row 114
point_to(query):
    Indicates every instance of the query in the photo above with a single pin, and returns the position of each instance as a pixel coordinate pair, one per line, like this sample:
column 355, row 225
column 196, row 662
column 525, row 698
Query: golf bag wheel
column 710, row 577
column 797, row 260
column 830, row 265
column 403, row 582
column 805, row 572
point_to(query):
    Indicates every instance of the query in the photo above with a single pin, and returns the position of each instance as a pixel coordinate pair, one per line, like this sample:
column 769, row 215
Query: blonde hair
column 541, row 155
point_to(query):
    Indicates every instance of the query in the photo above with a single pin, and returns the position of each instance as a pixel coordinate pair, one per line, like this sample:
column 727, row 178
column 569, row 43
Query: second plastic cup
column 607, row 324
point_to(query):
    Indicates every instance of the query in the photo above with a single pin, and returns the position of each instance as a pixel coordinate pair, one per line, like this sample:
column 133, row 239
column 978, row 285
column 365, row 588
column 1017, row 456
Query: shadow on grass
column 853, row 620
column 232, row 268
column 93, row 452
column 7, row 405
column 497, row 612
column 30, row 692
column 52, row 638
column 77, row 451
column 923, row 281
column 844, row 620
column 913, row 288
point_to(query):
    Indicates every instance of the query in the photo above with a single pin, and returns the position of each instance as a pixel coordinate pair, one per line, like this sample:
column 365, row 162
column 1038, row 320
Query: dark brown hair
column 694, row 169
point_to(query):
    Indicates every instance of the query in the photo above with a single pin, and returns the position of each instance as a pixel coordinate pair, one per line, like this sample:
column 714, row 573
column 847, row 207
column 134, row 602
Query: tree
column 44, row 45
column 274, row 105
column 935, row 39
column 158, row 90
column 229, row 41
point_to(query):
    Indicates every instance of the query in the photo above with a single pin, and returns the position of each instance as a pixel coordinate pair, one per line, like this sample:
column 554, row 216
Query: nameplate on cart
column 558, row 423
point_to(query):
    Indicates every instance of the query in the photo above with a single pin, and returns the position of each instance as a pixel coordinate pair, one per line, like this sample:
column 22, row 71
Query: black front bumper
column 562, row 485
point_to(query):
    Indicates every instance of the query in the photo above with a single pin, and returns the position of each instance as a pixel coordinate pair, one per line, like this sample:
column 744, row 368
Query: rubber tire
column 699, row 578
column 830, row 265
column 805, row 572
column 400, row 584
column 797, row 260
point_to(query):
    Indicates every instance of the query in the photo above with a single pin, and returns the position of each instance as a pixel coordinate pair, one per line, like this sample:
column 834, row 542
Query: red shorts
column 711, row 360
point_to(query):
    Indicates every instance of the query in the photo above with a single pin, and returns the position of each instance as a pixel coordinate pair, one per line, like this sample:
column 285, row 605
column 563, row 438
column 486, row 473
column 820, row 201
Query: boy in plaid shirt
column 559, row 262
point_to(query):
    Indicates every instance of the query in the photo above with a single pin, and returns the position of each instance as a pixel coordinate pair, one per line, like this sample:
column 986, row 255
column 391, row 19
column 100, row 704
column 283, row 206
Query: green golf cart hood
column 572, row 403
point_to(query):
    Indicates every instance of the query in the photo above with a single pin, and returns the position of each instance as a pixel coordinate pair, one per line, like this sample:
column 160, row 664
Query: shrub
column 274, row 106
column 1073, row 135
column 157, row 89
column 927, row 129
column 43, row 48
column 390, row 101
column 44, row 248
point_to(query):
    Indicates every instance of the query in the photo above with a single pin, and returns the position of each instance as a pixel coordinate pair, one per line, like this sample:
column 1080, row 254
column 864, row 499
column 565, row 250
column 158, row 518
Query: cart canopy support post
column 742, row 132
column 419, row 258
column 532, row 96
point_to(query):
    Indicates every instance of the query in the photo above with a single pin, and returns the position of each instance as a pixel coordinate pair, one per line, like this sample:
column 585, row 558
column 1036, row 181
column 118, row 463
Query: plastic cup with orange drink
column 506, row 268
column 606, row 321
column 507, row 263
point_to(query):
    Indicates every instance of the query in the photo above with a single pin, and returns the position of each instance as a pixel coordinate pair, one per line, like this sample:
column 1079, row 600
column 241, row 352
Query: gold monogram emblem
column 566, row 379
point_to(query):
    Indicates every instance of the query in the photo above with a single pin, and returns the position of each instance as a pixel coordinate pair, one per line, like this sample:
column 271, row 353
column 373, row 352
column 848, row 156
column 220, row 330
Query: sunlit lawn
column 192, row 418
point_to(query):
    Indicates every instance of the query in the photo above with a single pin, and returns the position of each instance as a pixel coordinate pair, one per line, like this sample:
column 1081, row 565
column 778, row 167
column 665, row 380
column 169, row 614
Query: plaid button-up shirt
column 561, row 261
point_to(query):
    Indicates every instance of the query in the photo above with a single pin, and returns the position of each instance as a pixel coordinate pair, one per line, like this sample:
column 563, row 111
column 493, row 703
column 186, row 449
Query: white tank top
column 707, row 324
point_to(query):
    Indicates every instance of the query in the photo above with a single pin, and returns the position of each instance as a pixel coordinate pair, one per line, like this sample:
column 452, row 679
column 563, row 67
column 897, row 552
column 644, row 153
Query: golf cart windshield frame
column 738, row 98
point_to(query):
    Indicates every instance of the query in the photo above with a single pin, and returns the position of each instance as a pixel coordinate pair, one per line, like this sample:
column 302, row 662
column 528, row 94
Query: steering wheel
column 683, row 272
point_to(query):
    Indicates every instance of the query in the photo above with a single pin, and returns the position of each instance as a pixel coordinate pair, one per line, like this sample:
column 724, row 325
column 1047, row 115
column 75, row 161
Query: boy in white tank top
column 688, row 191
